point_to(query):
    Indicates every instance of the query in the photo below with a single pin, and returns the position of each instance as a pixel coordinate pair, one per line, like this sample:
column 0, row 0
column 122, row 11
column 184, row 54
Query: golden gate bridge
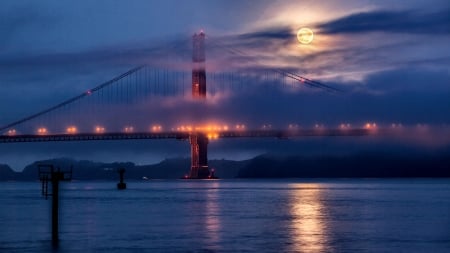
column 131, row 106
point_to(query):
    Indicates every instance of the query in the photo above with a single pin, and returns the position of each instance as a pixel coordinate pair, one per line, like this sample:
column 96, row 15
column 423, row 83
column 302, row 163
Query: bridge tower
column 199, row 156
column 199, row 141
column 198, row 68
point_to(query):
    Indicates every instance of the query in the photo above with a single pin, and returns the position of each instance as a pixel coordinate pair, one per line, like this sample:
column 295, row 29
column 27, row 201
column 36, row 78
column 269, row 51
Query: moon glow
column 305, row 35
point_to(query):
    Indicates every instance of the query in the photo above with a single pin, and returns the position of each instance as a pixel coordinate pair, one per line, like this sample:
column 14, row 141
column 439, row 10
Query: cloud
column 281, row 32
column 333, row 56
column 131, row 54
column 410, row 96
column 17, row 21
column 62, row 74
column 413, row 22
column 409, row 80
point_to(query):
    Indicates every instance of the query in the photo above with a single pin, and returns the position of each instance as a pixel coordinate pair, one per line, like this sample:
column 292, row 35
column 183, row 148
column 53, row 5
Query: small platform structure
column 121, row 185
column 48, row 173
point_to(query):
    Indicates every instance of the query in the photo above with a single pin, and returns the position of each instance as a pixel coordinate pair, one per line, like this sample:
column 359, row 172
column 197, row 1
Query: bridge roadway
column 184, row 135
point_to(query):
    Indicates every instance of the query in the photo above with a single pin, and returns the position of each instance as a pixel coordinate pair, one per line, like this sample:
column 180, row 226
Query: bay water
column 282, row 215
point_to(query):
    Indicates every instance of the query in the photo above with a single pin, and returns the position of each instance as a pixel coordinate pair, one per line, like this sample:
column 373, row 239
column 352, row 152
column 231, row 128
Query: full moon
column 305, row 35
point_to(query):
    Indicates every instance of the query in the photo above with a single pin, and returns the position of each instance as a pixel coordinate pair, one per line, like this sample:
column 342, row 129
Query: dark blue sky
column 391, row 58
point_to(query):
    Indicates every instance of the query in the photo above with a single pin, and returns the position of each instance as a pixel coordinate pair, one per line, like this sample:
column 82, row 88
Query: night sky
column 391, row 59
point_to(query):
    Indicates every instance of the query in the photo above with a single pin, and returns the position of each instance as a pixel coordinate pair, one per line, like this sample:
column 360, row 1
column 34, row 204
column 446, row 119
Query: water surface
column 364, row 215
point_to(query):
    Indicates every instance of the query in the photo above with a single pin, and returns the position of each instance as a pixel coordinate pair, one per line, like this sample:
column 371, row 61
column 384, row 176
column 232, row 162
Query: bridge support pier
column 199, row 156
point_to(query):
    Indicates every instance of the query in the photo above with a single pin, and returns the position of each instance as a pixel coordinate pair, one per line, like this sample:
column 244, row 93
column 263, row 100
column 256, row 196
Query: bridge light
column 128, row 129
column 396, row 125
column 156, row 128
column 12, row 132
column 88, row 92
column 370, row 125
column 42, row 130
column 344, row 126
column 99, row 129
column 71, row 129
column 319, row 127
column 422, row 127
column 212, row 136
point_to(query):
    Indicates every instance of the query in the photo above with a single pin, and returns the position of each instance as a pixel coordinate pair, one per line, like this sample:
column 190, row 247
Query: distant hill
column 373, row 164
column 380, row 165
column 88, row 170
column 82, row 170
column 6, row 173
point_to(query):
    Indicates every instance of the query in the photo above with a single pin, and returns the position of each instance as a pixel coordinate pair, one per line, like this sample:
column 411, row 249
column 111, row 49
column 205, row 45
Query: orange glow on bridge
column 99, row 129
column 345, row 126
column 212, row 131
column 128, row 129
column 11, row 132
column 156, row 128
column 72, row 130
column 202, row 128
column 213, row 136
column 42, row 130
column 369, row 125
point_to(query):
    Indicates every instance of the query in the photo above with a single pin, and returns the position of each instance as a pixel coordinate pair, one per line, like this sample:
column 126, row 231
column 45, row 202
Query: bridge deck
column 181, row 135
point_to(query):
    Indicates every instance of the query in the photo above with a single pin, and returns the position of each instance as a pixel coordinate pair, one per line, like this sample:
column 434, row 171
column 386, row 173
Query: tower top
column 201, row 33
column 198, row 66
column 198, row 45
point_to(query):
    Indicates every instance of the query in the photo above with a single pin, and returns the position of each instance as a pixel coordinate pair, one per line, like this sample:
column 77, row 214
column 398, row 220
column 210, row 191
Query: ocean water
column 338, row 215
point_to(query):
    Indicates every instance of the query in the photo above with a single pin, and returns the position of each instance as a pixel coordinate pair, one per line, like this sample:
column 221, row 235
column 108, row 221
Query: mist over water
column 364, row 215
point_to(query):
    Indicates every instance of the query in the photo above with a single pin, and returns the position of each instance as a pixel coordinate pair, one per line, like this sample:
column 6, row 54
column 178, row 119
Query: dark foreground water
column 232, row 216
